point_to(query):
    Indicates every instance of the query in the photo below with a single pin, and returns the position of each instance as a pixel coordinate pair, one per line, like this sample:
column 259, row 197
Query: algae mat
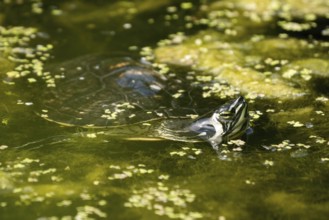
column 273, row 52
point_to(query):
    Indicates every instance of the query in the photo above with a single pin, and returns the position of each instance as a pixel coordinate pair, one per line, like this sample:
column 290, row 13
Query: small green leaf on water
column 91, row 135
column 13, row 74
column 249, row 182
column 3, row 147
column 324, row 159
column 296, row 124
column 102, row 202
column 5, row 121
column 163, row 177
column 64, row 203
column 237, row 142
column 322, row 99
column 268, row 163
column 31, row 80
column 186, row 5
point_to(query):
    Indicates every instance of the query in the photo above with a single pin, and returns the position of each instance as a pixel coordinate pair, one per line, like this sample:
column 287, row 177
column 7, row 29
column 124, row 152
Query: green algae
column 165, row 201
column 317, row 67
column 253, row 83
column 35, row 182
column 242, row 18
column 93, row 13
column 292, row 205
column 205, row 52
column 5, row 181
column 5, row 65
column 230, row 58
column 246, row 47
column 264, row 11
column 29, row 59
column 279, row 48
column 297, row 8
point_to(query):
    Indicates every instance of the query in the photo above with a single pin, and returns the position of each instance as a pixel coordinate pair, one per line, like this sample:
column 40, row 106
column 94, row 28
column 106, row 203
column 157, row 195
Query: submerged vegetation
column 273, row 52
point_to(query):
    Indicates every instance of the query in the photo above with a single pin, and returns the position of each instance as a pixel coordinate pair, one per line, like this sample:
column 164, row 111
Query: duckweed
column 164, row 201
column 224, row 65
column 187, row 151
column 273, row 52
column 287, row 145
column 16, row 45
column 129, row 171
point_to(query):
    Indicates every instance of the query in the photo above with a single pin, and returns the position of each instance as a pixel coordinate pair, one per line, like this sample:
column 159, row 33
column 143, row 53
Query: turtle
column 128, row 98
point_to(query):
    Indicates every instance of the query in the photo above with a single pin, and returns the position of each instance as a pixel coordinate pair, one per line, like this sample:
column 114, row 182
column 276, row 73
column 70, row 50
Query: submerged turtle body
column 130, row 99
column 95, row 92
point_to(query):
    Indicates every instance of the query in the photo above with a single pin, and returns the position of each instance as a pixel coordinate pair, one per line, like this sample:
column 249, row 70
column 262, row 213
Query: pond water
column 274, row 53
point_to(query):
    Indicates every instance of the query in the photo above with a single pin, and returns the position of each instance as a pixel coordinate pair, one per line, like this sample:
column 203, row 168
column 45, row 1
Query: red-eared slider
column 131, row 100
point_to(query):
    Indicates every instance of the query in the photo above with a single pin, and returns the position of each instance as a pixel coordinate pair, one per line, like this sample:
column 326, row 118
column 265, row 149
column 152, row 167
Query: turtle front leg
column 221, row 151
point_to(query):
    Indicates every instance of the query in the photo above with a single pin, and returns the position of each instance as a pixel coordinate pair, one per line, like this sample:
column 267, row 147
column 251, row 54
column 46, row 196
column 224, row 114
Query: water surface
column 275, row 53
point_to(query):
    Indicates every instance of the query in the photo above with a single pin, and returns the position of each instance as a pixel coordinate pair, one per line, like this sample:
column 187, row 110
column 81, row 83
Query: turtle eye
column 226, row 115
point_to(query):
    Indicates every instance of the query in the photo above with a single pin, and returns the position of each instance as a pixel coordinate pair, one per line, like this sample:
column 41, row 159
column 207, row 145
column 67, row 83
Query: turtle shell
column 98, row 91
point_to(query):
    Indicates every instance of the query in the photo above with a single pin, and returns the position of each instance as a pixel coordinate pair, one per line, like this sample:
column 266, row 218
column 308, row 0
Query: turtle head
column 233, row 117
column 229, row 121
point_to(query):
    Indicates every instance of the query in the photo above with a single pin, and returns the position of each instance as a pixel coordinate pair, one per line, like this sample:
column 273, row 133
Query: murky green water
column 273, row 52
